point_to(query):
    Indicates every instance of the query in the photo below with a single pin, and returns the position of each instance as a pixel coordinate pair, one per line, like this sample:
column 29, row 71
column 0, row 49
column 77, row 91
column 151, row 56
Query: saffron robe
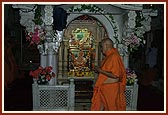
column 111, row 95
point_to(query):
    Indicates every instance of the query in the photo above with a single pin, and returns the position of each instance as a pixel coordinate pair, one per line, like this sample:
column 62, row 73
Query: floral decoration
column 136, row 38
column 132, row 42
column 86, row 8
column 42, row 75
column 80, row 73
column 131, row 76
column 37, row 35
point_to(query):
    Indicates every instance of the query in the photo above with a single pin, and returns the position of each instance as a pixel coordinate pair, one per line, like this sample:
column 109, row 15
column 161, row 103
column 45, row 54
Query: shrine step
column 82, row 100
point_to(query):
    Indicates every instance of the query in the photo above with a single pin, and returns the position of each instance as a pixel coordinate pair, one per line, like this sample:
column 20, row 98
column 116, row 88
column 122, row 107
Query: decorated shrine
column 68, row 38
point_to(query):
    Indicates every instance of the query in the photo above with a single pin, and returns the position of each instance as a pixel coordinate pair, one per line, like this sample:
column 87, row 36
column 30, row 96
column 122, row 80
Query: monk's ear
column 109, row 46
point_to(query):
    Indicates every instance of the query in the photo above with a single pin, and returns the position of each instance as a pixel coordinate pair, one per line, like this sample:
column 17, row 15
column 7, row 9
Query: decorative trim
column 48, row 16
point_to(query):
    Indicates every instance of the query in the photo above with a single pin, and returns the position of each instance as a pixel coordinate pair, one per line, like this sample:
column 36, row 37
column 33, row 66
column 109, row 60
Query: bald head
column 107, row 44
column 107, row 41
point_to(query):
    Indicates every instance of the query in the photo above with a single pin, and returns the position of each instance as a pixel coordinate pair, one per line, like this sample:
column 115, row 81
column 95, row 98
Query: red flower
column 48, row 69
column 36, row 36
column 48, row 77
column 42, row 73
column 35, row 73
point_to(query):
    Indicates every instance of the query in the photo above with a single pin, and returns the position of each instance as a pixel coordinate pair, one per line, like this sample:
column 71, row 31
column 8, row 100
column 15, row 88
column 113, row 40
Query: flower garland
column 38, row 16
column 95, row 9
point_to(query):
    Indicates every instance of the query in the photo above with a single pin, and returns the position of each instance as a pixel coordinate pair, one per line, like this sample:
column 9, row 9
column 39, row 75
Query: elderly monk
column 110, row 86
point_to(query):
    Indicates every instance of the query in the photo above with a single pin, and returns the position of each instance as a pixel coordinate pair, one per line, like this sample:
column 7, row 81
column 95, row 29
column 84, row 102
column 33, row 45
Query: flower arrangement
column 131, row 76
column 136, row 38
column 37, row 36
column 132, row 42
column 43, row 75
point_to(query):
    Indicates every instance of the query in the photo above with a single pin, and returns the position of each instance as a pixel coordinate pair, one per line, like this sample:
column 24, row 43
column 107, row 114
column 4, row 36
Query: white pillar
column 43, row 60
column 126, row 61
column 52, row 43
column 51, row 61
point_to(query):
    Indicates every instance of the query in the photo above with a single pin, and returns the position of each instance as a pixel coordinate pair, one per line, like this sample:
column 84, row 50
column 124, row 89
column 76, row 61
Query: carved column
column 49, row 54
column 49, row 49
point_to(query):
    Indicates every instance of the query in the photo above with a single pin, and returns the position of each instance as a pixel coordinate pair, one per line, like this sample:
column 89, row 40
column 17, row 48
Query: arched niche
column 102, row 19
column 108, row 25
column 93, row 25
column 106, row 29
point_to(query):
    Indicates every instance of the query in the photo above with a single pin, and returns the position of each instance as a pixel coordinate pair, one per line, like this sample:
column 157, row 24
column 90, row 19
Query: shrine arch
column 105, row 27
column 101, row 18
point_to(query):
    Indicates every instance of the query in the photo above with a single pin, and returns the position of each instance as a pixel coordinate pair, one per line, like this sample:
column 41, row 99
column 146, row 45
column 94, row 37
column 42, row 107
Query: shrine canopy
column 125, row 24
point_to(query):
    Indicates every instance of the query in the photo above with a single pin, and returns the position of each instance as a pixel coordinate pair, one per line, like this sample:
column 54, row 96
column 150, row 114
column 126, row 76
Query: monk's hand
column 97, row 69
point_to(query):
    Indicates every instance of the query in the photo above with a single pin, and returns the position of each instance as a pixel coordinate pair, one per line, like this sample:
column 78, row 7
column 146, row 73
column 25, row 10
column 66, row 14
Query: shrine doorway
column 82, row 35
